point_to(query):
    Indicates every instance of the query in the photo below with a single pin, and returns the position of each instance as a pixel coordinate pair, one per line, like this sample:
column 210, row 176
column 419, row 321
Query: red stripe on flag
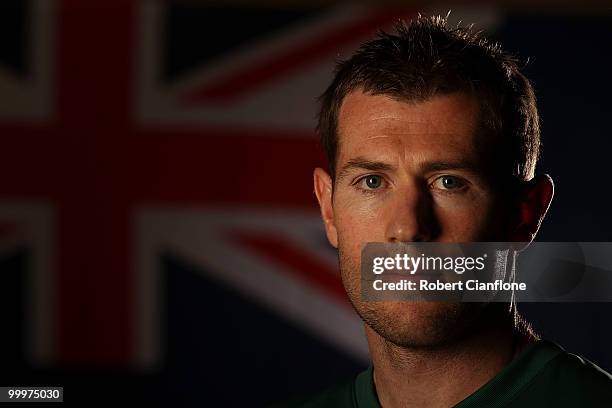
column 93, row 110
column 238, row 82
column 305, row 267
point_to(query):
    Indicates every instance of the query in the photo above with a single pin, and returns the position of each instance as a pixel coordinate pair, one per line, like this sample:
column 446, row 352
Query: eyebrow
column 361, row 163
column 449, row 165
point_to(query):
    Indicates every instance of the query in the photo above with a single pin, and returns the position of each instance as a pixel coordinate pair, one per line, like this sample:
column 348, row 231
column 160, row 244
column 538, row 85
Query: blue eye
column 373, row 181
column 449, row 183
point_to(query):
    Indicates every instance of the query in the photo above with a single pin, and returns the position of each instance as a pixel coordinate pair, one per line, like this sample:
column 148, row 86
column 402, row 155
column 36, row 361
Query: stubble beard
column 410, row 324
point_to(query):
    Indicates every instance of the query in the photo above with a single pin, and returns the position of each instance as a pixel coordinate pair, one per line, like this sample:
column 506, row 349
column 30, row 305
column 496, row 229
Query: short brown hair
column 424, row 58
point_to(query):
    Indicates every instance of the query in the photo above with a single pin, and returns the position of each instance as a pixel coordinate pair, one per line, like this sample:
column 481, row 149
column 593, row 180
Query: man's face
column 411, row 171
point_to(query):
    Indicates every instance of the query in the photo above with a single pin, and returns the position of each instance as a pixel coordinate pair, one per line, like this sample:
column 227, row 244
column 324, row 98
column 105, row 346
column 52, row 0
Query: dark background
column 89, row 146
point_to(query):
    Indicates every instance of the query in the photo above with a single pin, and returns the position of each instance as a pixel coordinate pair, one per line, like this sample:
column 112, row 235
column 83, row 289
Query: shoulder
column 340, row 396
column 571, row 380
column 574, row 370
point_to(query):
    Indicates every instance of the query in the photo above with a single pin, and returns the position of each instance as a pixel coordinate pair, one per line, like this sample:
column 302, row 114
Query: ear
column 323, row 190
column 533, row 203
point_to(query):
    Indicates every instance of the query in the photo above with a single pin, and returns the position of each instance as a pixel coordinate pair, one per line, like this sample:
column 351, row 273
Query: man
column 432, row 134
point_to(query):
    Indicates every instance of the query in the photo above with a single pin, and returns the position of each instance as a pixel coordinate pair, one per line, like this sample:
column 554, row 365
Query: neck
column 442, row 376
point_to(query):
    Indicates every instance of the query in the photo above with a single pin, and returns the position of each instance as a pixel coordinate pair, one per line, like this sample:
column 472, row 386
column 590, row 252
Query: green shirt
column 544, row 375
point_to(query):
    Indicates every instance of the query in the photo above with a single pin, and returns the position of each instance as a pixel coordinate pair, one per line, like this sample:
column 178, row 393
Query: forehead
column 379, row 124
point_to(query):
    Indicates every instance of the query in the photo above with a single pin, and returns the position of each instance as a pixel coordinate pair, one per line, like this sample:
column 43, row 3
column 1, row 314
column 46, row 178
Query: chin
column 419, row 324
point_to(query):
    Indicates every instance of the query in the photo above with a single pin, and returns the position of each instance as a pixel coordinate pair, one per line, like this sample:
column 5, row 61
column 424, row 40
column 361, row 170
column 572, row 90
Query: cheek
column 358, row 222
column 465, row 223
column 458, row 226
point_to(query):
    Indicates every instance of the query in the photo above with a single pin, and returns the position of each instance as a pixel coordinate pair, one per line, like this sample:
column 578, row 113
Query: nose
column 411, row 217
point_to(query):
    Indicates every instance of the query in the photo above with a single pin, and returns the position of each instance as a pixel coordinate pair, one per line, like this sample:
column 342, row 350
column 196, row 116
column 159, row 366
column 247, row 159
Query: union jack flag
column 155, row 151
